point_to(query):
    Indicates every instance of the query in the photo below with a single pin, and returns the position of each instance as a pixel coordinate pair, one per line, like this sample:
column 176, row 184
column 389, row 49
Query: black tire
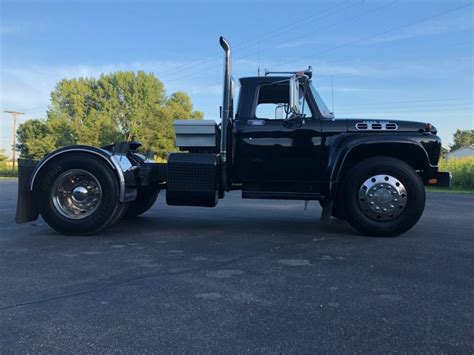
column 119, row 213
column 338, row 211
column 365, row 220
column 146, row 198
column 107, row 209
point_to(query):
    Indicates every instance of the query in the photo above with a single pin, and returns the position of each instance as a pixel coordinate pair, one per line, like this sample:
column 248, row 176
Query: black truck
column 279, row 142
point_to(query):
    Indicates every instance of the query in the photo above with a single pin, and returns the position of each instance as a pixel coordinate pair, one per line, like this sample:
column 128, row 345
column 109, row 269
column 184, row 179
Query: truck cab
column 277, row 152
column 279, row 142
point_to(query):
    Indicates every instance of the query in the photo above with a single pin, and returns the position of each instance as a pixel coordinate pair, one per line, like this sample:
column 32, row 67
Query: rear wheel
column 77, row 194
column 146, row 198
column 383, row 196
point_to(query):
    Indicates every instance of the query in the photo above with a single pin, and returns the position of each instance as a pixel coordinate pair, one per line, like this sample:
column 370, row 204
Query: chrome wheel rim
column 382, row 197
column 76, row 194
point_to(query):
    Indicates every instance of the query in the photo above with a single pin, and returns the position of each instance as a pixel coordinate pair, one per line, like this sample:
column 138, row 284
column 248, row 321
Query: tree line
column 117, row 107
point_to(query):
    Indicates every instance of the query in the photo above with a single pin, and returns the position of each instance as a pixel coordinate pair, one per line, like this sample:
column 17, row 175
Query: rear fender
column 119, row 163
column 29, row 171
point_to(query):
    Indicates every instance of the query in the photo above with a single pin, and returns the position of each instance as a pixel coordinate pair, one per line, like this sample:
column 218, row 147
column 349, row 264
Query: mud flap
column 327, row 209
column 26, row 209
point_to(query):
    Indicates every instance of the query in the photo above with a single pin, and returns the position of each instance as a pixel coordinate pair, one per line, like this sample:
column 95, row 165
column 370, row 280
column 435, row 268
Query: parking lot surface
column 246, row 276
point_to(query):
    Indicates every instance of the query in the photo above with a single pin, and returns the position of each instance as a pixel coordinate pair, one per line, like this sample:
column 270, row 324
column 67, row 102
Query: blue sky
column 390, row 59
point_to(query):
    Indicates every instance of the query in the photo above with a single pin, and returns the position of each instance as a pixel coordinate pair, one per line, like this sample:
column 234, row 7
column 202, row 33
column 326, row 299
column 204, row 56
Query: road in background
column 247, row 276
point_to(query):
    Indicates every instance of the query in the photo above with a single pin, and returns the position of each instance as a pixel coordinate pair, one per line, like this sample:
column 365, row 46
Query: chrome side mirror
column 294, row 102
column 280, row 111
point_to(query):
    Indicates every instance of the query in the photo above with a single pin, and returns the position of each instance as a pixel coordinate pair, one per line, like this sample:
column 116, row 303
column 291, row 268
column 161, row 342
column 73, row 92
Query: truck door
column 271, row 148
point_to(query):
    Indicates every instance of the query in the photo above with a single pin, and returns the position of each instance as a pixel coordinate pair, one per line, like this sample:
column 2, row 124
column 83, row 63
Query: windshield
column 321, row 105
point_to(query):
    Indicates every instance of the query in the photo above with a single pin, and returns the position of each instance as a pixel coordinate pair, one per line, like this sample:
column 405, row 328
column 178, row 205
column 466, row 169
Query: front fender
column 387, row 144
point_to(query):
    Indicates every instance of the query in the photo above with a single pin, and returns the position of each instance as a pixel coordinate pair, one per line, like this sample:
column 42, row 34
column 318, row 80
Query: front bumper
column 441, row 179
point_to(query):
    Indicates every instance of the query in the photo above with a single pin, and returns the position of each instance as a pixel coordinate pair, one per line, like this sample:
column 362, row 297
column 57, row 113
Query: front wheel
column 383, row 196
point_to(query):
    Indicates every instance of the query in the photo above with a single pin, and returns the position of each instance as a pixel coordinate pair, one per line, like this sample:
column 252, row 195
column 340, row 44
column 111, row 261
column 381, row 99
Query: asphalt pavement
column 252, row 276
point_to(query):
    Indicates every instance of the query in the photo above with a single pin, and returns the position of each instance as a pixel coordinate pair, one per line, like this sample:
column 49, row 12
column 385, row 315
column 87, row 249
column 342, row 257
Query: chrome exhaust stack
column 225, row 113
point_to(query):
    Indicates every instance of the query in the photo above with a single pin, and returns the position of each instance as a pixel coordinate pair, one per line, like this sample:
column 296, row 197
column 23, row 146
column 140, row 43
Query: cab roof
column 257, row 80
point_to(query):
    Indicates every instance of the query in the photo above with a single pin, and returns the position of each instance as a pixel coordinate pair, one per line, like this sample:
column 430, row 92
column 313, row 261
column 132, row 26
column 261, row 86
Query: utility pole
column 14, row 114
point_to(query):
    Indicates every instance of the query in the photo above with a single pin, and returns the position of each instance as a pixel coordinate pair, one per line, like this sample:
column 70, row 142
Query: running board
column 282, row 195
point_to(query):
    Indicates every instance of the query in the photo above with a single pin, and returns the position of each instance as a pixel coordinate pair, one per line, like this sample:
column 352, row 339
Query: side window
column 271, row 111
column 305, row 107
column 272, row 102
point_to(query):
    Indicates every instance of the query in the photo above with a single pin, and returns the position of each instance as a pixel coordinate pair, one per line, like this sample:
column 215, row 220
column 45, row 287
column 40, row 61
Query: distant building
column 461, row 152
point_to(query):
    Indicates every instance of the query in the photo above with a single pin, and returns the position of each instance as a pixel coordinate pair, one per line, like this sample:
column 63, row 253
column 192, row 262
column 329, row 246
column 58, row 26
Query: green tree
column 444, row 152
column 462, row 138
column 3, row 159
column 34, row 139
column 115, row 107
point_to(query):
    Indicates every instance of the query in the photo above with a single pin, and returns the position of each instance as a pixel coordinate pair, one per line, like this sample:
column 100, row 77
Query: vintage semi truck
column 279, row 142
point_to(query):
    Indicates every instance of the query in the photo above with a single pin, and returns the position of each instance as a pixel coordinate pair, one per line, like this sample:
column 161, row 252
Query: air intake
column 362, row 126
column 376, row 126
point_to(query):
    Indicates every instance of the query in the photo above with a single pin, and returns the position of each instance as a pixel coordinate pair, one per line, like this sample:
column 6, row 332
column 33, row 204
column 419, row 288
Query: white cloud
column 10, row 29
column 29, row 88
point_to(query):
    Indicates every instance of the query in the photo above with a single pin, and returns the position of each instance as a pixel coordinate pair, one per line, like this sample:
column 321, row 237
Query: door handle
column 295, row 123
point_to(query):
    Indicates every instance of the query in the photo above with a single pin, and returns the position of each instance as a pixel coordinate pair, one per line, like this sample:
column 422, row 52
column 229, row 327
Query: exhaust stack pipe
column 225, row 115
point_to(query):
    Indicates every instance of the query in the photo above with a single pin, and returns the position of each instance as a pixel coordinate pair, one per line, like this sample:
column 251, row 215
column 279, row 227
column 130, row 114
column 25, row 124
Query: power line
column 385, row 32
column 256, row 41
column 346, row 20
column 408, row 105
column 395, row 111
column 325, row 28
column 328, row 26
column 408, row 109
column 417, row 100
column 301, row 23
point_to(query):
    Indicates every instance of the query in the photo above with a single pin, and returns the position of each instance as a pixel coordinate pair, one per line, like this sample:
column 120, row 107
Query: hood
column 372, row 125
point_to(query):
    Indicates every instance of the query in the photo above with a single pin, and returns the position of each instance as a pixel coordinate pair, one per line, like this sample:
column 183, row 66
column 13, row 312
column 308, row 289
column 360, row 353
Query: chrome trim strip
column 119, row 167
